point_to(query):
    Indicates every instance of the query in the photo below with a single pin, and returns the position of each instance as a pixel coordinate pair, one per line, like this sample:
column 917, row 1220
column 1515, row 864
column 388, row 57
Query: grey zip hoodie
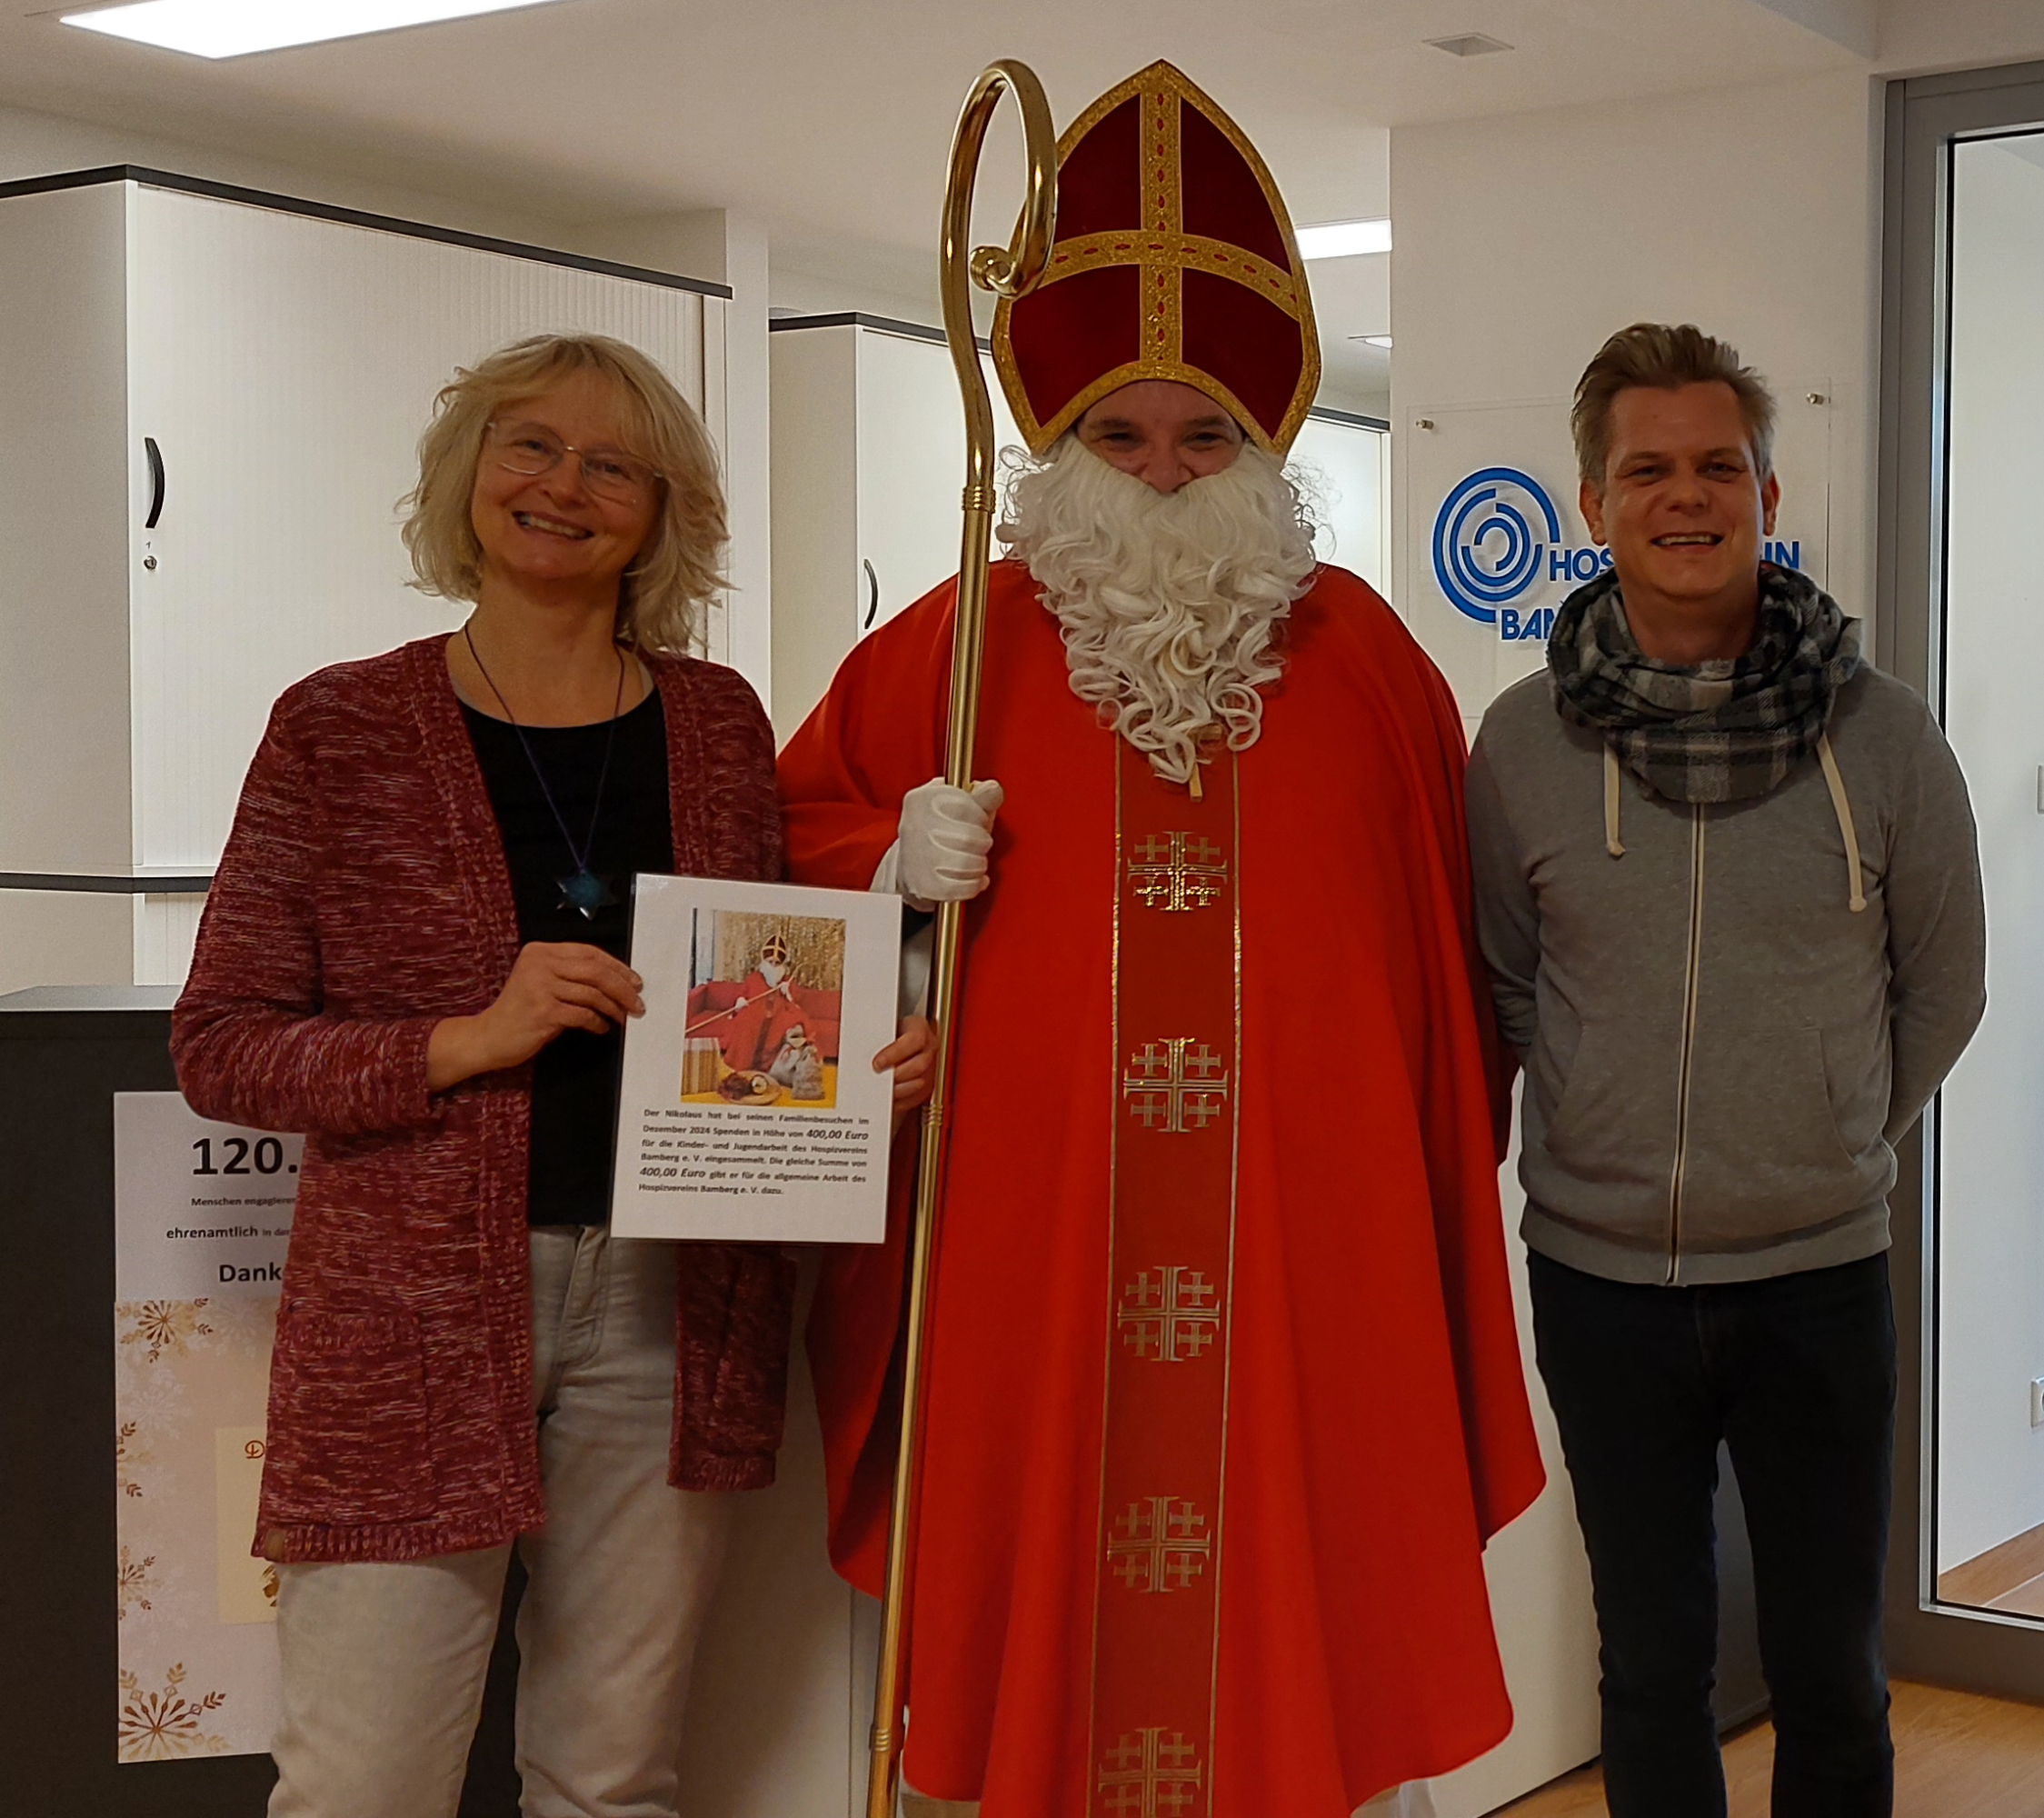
column 1720, row 1048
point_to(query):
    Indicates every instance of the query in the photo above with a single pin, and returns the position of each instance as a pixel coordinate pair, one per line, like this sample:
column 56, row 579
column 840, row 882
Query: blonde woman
column 415, row 952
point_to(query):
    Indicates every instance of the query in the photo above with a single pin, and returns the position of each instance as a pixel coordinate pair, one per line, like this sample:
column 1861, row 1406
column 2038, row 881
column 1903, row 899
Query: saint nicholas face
column 1164, row 432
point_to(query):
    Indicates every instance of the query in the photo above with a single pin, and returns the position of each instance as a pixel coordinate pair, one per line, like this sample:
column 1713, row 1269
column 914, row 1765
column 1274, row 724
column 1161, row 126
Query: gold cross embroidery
column 1144, row 1776
column 1161, row 1545
column 1177, row 1086
column 1178, row 872
column 1169, row 1315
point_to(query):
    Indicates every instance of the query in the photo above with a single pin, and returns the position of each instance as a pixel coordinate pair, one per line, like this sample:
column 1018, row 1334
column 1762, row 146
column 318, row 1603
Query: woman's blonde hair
column 662, row 599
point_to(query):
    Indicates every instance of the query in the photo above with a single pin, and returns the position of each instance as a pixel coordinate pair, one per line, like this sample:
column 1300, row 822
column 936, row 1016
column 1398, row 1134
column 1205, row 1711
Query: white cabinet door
column 816, row 456
column 285, row 366
column 63, row 569
column 912, row 470
column 869, row 466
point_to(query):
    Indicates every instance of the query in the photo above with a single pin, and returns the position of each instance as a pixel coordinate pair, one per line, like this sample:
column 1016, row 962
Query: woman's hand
column 913, row 1054
column 553, row 985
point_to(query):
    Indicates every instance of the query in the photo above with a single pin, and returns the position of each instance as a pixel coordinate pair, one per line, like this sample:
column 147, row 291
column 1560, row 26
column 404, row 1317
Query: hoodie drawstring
column 1842, row 808
column 1612, row 844
column 1840, row 805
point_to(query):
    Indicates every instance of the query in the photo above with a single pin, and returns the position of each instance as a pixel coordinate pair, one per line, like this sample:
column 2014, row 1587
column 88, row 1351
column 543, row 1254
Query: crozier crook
column 1007, row 272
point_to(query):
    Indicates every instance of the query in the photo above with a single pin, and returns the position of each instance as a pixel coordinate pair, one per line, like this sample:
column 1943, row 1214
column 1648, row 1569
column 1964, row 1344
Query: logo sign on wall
column 1501, row 559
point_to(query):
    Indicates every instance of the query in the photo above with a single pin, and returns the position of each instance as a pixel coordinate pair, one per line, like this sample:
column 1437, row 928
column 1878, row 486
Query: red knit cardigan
column 361, row 897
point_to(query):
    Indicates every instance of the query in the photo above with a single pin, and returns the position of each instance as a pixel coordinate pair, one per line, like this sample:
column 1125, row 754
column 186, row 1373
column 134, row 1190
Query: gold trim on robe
column 1170, row 1260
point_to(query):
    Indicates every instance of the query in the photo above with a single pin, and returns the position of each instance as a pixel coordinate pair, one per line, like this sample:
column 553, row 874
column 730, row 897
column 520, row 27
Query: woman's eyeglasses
column 532, row 449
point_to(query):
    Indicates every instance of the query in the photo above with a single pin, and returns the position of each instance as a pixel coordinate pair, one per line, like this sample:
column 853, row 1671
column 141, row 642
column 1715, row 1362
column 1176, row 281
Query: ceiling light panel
column 1344, row 239
column 1469, row 44
column 232, row 28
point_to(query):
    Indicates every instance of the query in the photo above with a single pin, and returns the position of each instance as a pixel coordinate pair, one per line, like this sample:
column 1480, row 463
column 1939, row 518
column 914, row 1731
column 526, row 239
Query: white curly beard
column 1170, row 601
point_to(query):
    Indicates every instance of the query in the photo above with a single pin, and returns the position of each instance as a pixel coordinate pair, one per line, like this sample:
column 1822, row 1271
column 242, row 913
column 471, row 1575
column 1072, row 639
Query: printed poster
column 749, row 1108
column 201, row 1220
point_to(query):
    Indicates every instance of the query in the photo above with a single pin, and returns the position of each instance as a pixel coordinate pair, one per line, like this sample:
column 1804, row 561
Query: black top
column 575, row 1076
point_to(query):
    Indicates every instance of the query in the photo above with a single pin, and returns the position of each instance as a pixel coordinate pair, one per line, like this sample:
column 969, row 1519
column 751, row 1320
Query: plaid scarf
column 1723, row 731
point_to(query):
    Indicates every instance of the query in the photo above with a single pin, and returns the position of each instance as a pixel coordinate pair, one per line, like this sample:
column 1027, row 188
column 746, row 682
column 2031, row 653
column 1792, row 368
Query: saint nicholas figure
column 1224, row 1391
column 763, row 1011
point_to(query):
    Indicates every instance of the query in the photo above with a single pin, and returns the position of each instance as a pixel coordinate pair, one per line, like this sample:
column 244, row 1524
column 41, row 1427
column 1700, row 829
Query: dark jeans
column 1797, row 1376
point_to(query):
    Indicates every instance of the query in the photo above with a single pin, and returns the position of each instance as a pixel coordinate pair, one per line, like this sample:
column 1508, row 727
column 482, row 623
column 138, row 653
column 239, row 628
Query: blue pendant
column 585, row 892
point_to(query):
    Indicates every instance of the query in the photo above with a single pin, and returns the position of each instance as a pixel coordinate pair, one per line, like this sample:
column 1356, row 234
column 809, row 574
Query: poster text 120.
column 267, row 1152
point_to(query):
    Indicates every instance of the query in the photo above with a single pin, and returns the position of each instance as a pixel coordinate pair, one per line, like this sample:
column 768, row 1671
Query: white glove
column 945, row 836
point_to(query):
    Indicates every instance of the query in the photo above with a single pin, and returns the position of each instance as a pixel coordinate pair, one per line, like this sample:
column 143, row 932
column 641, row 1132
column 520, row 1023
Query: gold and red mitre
column 1174, row 260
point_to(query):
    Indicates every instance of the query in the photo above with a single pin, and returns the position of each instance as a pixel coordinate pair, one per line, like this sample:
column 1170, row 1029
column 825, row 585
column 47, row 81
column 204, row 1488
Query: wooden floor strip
column 2026, row 1600
column 1983, row 1581
column 1956, row 1755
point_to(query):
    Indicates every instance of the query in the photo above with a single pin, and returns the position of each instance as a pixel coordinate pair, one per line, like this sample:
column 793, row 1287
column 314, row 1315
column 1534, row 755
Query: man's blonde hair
column 1664, row 358
column 661, row 602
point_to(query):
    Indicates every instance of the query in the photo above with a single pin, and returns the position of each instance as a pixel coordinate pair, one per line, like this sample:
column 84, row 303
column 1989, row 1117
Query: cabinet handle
column 873, row 602
column 155, row 456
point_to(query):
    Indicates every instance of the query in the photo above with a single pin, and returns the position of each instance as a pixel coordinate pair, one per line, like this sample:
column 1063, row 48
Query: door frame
column 1980, row 1650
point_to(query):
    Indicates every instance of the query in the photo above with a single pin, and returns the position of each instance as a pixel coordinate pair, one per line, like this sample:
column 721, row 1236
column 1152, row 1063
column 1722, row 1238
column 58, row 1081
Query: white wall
column 798, row 291
column 1353, row 298
column 1990, row 1461
column 1523, row 242
column 35, row 145
column 1922, row 35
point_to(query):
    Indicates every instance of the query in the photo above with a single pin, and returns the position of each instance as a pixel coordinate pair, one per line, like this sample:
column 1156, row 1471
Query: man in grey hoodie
column 1728, row 889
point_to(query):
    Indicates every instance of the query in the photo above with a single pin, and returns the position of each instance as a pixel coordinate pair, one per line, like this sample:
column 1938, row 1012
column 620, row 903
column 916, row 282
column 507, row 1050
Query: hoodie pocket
column 1765, row 1155
column 1614, row 1122
column 349, row 1437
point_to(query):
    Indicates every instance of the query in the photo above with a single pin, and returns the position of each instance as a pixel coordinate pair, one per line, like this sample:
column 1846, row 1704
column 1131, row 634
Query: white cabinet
column 211, row 401
column 282, row 360
column 869, row 463
column 869, row 460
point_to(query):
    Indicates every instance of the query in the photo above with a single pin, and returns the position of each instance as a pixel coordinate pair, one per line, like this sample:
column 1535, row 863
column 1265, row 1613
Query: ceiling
column 831, row 122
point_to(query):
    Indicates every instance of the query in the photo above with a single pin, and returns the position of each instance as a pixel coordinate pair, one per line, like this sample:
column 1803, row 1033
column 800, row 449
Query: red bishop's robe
column 1225, row 1392
column 751, row 1037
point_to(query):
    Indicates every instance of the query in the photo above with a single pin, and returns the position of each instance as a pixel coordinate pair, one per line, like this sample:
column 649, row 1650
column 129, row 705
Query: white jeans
column 384, row 1665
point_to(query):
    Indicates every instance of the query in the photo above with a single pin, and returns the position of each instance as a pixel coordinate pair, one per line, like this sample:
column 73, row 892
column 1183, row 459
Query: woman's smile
column 551, row 526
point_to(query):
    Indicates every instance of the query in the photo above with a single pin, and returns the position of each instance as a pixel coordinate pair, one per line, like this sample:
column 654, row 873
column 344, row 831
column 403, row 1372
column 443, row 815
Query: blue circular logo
column 1490, row 539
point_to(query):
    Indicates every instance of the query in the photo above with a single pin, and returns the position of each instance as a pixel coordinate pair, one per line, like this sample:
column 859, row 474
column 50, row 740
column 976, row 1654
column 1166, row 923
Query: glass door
column 1962, row 617
column 1988, row 1547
